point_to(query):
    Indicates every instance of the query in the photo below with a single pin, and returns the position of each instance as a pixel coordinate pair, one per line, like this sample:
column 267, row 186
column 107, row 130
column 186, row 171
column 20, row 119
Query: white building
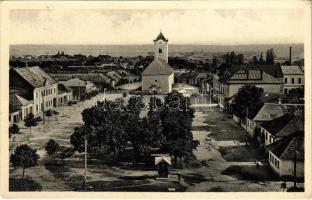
column 293, row 77
column 282, row 154
column 34, row 84
column 158, row 76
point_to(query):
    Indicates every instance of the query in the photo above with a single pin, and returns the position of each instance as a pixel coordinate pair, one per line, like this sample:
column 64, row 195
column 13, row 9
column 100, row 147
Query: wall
column 163, row 81
column 286, row 167
column 159, row 44
column 268, row 88
column 251, row 126
column 289, row 85
column 44, row 98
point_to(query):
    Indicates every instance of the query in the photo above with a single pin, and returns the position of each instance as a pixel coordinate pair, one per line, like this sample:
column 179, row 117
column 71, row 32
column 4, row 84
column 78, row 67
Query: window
column 266, row 135
column 37, row 108
column 159, row 50
column 292, row 80
column 285, row 80
column 299, row 80
column 155, row 80
column 285, row 91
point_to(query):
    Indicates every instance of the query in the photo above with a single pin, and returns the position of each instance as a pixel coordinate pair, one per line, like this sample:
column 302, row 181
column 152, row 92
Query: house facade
column 65, row 94
column 81, row 89
column 293, row 77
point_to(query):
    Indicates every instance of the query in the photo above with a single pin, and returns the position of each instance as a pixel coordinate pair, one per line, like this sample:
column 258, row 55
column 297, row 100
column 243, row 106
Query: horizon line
column 242, row 44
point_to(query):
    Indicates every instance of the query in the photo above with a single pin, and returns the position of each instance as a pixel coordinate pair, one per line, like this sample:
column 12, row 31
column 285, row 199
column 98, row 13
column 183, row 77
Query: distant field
column 281, row 50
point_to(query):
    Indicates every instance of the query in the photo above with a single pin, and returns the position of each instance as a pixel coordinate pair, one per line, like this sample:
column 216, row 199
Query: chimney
column 290, row 55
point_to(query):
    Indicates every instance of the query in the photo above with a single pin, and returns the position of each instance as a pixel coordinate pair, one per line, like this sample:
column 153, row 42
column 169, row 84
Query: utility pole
column 295, row 167
column 246, row 130
column 210, row 93
column 42, row 95
column 86, row 166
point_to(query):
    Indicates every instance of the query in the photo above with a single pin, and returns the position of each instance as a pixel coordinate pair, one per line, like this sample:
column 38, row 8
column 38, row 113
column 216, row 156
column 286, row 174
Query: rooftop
column 287, row 147
column 277, row 124
column 250, row 76
column 161, row 37
column 269, row 112
column 16, row 102
column 291, row 70
column 35, row 76
column 158, row 67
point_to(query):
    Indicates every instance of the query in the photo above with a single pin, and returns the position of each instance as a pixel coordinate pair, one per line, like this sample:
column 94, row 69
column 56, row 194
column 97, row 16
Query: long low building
column 283, row 153
column 81, row 89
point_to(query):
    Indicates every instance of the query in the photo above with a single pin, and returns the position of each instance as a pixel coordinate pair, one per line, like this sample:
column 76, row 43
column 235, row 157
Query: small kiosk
column 162, row 162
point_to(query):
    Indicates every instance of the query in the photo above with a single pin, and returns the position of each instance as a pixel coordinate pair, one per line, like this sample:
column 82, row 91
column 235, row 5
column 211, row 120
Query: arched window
column 159, row 50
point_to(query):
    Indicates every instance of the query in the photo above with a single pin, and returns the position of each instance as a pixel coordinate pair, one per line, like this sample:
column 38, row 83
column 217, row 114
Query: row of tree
column 114, row 126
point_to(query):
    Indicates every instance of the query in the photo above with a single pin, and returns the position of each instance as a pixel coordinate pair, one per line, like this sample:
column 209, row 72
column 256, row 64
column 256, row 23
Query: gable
column 158, row 67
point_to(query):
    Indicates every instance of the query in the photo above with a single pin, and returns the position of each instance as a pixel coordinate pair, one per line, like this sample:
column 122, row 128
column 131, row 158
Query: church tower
column 161, row 47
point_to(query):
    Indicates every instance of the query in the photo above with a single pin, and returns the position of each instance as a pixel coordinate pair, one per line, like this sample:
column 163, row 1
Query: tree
column 52, row 147
column 24, row 157
column 270, row 57
column 30, row 121
column 176, row 121
column 14, row 129
column 255, row 60
column 247, row 97
column 261, row 60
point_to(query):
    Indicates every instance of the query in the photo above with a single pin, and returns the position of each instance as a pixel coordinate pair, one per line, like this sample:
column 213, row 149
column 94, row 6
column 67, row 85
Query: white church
column 158, row 77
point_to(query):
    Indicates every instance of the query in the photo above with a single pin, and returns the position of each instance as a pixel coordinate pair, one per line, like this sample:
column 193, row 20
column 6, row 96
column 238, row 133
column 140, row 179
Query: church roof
column 158, row 67
column 161, row 37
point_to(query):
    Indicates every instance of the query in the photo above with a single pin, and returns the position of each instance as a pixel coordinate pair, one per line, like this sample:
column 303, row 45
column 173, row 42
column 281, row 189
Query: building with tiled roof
column 293, row 77
column 19, row 108
column 81, row 89
column 230, row 84
column 283, row 153
column 158, row 76
column 270, row 129
column 65, row 94
column 34, row 84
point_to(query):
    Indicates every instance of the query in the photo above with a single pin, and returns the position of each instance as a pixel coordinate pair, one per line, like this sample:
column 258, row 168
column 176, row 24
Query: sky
column 205, row 26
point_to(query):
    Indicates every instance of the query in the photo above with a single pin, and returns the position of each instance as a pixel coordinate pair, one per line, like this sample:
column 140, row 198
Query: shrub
column 52, row 147
column 38, row 119
column 14, row 129
column 48, row 113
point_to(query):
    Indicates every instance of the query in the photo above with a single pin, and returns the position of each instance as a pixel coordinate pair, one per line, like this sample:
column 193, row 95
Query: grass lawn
column 251, row 172
column 26, row 184
column 242, row 154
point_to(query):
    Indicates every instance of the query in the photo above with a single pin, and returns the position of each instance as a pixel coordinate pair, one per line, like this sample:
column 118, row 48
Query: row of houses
column 32, row 90
column 107, row 79
column 279, row 128
column 273, row 79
